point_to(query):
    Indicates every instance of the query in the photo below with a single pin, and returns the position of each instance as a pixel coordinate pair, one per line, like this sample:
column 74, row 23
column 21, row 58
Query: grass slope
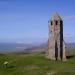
column 35, row 64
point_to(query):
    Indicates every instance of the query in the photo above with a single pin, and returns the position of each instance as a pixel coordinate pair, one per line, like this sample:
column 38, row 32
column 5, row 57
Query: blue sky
column 27, row 20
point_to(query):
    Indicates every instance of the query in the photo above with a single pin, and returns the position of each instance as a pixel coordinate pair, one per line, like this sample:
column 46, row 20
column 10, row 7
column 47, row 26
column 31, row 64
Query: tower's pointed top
column 56, row 16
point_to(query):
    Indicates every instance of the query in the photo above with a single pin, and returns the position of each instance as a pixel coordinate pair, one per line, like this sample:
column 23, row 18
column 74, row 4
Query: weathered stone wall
column 56, row 45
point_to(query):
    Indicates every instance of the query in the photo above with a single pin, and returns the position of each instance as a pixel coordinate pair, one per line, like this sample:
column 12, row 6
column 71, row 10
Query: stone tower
column 56, row 45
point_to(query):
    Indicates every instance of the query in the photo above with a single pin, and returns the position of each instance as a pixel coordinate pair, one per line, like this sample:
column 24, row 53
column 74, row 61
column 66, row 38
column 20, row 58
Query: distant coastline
column 19, row 47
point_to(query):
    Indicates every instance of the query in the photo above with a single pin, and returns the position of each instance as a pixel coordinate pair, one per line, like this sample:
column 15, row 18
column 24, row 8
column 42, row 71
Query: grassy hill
column 35, row 64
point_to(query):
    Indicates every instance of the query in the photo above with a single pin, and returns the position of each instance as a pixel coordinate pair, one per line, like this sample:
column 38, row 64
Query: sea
column 12, row 47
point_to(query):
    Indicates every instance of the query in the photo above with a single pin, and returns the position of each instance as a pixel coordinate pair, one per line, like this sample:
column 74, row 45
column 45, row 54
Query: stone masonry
column 56, row 45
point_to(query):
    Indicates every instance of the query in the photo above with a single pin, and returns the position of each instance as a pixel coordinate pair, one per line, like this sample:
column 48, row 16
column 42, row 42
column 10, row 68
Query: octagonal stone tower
column 56, row 45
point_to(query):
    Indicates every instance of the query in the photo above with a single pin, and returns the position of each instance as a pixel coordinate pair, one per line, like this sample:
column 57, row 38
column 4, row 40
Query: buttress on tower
column 56, row 45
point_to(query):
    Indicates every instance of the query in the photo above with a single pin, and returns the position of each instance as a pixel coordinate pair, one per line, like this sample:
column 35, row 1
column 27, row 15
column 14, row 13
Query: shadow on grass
column 70, row 56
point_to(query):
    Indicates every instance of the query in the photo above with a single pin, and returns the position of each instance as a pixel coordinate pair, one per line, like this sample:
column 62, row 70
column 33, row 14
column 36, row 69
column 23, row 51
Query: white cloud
column 71, row 17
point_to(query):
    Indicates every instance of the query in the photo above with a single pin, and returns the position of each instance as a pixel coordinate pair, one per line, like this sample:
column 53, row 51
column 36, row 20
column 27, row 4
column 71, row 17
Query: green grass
column 35, row 64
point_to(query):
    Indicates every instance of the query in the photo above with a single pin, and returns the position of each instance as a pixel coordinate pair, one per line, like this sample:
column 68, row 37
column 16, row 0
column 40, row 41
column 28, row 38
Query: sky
column 26, row 21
